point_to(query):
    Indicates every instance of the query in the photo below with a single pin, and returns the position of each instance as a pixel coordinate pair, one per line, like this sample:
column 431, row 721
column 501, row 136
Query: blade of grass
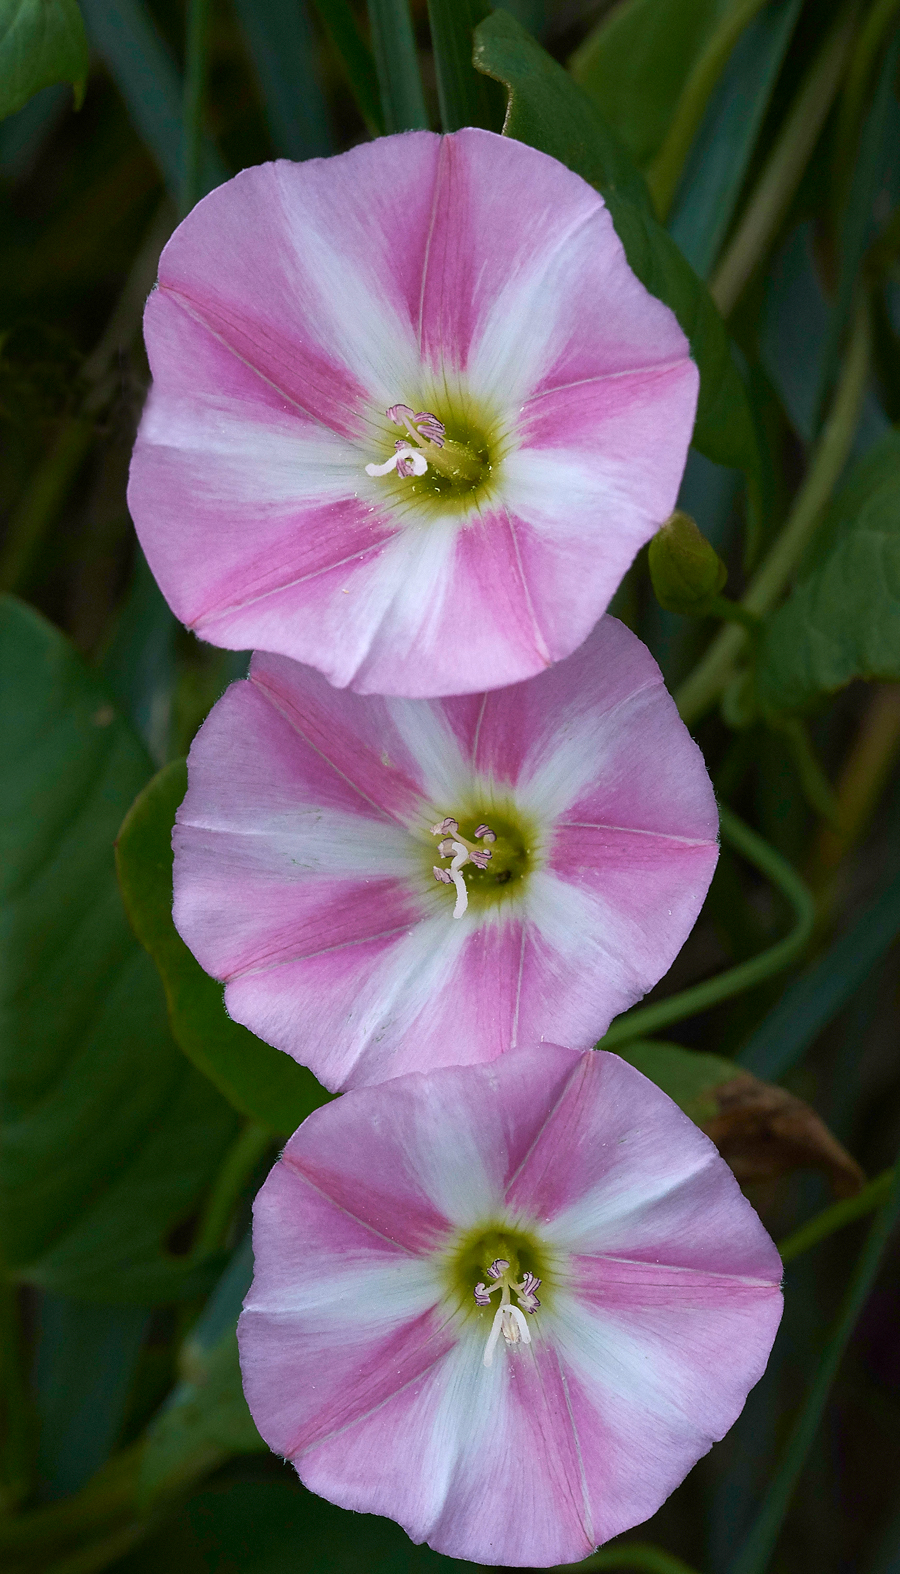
column 717, row 164
column 357, row 59
column 283, row 50
column 397, row 64
column 126, row 36
column 816, row 997
column 754, row 1555
column 466, row 97
column 196, row 51
column 665, row 171
column 784, row 169
column 836, row 1217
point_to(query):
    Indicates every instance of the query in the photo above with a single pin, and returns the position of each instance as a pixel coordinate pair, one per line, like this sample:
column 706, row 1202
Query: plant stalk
column 831, row 452
column 662, row 1013
column 787, row 161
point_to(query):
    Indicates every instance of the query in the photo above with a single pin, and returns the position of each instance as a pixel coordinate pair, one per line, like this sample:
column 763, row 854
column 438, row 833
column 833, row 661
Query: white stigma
column 422, row 428
column 462, row 852
column 509, row 1320
column 406, row 461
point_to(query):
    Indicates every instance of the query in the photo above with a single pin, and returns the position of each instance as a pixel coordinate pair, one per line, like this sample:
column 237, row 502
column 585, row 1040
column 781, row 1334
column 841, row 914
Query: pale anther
column 509, row 1320
column 462, row 852
column 422, row 428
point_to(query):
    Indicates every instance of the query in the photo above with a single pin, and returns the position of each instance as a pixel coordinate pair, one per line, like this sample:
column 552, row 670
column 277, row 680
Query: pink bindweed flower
column 509, row 1305
column 365, row 874
column 412, row 416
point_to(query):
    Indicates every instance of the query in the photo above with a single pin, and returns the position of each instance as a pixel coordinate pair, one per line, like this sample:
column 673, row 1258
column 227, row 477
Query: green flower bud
column 687, row 572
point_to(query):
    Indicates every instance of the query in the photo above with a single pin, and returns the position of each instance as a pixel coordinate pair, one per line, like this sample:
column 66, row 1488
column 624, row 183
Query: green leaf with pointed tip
column 205, row 1419
column 108, row 1137
column 549, row 111
column 257, row 1079
column 41, row 42
column 842, row 621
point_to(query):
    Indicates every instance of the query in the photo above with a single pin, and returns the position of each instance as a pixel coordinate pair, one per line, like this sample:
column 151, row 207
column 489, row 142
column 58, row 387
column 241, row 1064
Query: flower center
column 486, row 860
column 458, row 848
column 455, row 462
column 497, row 1269
column 509, row 1320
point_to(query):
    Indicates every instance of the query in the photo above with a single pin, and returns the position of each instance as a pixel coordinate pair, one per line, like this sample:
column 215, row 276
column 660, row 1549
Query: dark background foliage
column 750, row 156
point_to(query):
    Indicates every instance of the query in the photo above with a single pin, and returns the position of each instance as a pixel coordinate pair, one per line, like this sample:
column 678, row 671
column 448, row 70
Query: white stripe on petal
column 375, row 1295
column 309, row 841
column 355, row 321
column 445, row 775
column 262, row 457
column 604, row 1219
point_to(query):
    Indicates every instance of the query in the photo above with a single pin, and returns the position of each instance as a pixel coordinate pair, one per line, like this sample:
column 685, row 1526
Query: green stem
column 831, row 452
column 649, row 1019
column 835, row 1217
column 397, row 64
column 852, row 104
column 240, row 1161
column 636, row 1555
column 665, row 171
column 756, row 1551
column 17, row 1430
column 817, row 789
column 787, row 161
column 734, row 612
column 195, row 62
column 43, row 500
column 99, row 1509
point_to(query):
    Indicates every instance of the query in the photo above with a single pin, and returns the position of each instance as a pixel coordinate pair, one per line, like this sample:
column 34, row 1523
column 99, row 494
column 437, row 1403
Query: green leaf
column 549, row 111
column 356, row 58
column 109, row 1138
column 822, row 990
column 41, row 42
column 635, row 63
column 842, row 621
column 466, row 96
column 205, row 1419
column 688, row 1076
column 138, row 664
column 283, row 48
column 86, row 1360
column 258, row 1080
column 127, row 37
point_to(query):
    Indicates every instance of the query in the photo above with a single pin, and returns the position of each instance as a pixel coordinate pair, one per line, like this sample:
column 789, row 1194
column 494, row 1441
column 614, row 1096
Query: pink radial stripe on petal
column 445, row 1142
column 363, row 1340
column 644, row 1400
column 479, row 618
column 630, row 1194
column 322, row 280
column 517, row 239
column 469, row 279
column 336, row 751
column 305, row 859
